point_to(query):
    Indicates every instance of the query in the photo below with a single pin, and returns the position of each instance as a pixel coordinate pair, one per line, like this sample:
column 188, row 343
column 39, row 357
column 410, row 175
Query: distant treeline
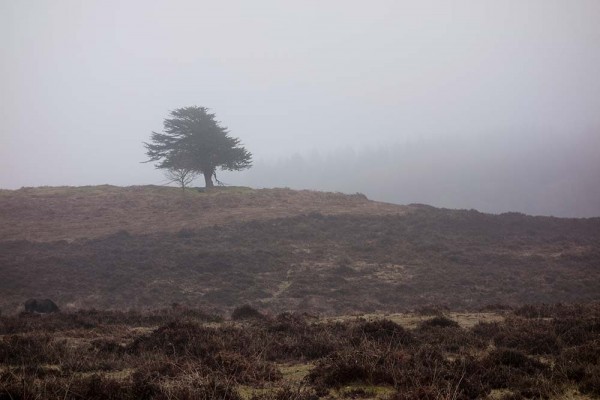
column 543, row 176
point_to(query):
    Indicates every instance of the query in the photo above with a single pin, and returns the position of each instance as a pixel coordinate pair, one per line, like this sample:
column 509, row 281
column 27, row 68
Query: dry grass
column 413, row 320
column 69, row 213
column 356, row 261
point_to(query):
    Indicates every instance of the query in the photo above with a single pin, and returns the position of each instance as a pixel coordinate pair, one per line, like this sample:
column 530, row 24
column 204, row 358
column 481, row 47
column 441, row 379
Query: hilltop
column 278, row 249
column 67, row 213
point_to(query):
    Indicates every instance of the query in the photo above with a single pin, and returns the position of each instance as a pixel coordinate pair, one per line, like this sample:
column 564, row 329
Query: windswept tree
column 192, row 140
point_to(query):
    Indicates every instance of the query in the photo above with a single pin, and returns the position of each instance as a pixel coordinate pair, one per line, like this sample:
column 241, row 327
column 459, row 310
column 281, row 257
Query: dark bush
column 246, row 312
column 19, row 350
column 439, row 322
column 514, row 359
column 287, row 323
column 534, row 311
column 432, row 310
column 581, row 365
column 357, row 366
column 428, row 374
column 577, row 331
column 187, row 359
column 103, row 345
column 588, row 354
column 529, row 336
column 90, row 319
column 309, row 344
column 242, row 370
column 590, row 384
column 512, row 369
column 145, row 384
column 93, row 387
column 287, row 393
column 559, row 310
column 96, row 387
column 227, row 351
column 486, row 330
column 384, row 331
column 210, row 390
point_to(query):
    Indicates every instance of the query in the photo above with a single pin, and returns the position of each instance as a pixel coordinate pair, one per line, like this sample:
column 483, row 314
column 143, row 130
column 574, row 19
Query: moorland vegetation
column 541, row 352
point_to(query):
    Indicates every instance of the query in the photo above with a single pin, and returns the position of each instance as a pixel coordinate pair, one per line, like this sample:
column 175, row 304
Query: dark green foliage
column 193, row 140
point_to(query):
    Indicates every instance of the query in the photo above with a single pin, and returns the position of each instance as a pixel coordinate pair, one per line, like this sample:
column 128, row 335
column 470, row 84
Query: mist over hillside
column 300, row 200
column 540, row 175
column 471, row 105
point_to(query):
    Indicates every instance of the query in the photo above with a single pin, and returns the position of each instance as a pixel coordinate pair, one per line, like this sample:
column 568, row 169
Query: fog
column 463, row 104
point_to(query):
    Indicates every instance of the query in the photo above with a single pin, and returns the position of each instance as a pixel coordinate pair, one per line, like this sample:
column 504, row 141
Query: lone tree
column 193, row 141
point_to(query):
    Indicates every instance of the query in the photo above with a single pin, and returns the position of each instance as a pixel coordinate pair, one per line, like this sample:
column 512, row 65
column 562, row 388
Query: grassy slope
column 282, row 250
column 56, row 213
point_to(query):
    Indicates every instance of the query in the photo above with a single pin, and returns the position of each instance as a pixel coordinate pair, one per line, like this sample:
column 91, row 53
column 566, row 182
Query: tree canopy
column 193, row 140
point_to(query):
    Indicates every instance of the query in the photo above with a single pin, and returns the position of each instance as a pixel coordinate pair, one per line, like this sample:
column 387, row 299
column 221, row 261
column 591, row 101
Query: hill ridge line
column 52, row 213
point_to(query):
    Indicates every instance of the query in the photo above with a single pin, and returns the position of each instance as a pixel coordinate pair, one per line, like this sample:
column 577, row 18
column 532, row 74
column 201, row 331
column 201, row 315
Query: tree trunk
column 208, row 179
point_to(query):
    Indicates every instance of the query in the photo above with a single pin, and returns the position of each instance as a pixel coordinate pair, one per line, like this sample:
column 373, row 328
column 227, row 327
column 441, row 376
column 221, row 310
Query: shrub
column 246, row 312
column 209, row 390
column 38, row 349
column 383, row 331
column 577, row 331
column 287, row 393
column 590, row 384
column 512, row 369
column 486, row 330
column 530, row 336
column 439, row 322
column 369, row 366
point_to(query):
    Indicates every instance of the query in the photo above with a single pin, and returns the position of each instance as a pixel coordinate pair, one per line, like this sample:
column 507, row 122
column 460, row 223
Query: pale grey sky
column 479, row 87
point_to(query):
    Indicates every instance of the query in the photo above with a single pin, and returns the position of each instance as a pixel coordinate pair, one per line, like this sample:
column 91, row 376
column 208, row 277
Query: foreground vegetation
column 194, row 257
column 547, row 352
